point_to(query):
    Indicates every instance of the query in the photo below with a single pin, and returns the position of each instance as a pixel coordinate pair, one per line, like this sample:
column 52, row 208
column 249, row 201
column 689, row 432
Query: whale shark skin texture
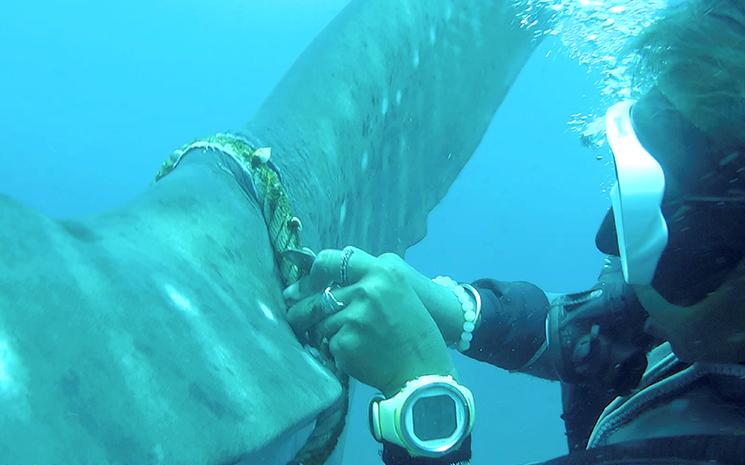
column 155, row 333
column 378, row 116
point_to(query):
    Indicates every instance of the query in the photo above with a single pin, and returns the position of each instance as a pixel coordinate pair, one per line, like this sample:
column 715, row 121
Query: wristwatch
column 429, row 417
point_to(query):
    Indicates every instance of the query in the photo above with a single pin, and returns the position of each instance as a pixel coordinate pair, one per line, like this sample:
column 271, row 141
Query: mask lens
column 705, row 245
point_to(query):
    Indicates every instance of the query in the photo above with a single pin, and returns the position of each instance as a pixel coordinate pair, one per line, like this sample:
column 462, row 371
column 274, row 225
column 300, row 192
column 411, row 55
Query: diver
column 651, row 358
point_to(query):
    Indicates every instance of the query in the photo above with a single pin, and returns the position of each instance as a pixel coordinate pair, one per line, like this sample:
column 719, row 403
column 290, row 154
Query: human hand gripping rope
column 365, row 312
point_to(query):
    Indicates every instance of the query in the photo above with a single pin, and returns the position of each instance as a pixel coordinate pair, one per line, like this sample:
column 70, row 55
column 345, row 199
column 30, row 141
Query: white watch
column 429, row 417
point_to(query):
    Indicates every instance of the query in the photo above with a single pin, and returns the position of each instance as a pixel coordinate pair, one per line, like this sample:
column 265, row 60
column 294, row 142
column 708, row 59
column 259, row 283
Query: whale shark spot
column 9, row 370
column 12, row 383
column 179, row 300
column 5, row 360
column 364, row 161
column 415, row 58
column 384, row 105
column 399, row 97
column 267, row 312
column 158, row 453
column 402, row 145
column 342, row 212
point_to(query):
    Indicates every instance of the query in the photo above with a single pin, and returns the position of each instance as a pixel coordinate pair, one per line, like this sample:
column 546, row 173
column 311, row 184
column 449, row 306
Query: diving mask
column 678, row 205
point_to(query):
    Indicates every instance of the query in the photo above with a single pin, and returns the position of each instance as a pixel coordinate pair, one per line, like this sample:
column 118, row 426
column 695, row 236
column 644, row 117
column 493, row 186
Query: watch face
column 434, row 417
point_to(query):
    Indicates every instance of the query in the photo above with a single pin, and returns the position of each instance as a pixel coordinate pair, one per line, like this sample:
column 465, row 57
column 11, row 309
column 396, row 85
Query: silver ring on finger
column 344, row 268
column 329, row 303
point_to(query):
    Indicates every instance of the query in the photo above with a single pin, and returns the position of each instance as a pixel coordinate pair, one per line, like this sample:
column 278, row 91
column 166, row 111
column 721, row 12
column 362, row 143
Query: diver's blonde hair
column 696, row 57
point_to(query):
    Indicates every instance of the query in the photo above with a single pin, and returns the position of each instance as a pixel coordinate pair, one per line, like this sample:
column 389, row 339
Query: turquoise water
column 94, row 96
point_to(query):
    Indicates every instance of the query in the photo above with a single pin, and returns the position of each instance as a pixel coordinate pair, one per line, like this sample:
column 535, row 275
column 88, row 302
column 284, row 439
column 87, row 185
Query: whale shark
column 155, row 332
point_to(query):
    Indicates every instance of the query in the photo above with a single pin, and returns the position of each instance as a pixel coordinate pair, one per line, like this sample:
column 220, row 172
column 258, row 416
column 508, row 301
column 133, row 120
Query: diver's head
column 678, row 217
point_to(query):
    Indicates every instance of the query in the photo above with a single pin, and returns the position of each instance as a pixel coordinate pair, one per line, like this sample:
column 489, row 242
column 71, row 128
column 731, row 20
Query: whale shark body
column 155, row 333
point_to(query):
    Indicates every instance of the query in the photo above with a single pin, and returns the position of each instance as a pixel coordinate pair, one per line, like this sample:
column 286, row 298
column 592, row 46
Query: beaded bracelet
column 470, row 304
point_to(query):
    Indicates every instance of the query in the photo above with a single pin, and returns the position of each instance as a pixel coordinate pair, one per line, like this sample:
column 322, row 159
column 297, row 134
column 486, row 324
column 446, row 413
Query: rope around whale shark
column 284, row 234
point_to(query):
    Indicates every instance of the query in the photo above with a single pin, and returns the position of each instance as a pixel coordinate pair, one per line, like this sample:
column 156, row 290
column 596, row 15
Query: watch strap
column 396, row 455
column 386, row 421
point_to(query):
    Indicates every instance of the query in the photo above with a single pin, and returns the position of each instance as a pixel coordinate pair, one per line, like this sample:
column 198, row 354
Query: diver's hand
column 383, row 336
column 439, row 301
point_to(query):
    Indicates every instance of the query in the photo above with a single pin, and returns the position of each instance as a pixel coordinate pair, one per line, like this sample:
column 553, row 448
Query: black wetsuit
column 598, row 352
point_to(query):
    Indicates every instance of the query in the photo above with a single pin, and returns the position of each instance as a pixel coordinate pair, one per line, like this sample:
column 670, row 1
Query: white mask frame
column 636, row 198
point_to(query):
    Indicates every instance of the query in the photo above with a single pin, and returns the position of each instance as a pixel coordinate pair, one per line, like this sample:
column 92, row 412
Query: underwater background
column 95, row 95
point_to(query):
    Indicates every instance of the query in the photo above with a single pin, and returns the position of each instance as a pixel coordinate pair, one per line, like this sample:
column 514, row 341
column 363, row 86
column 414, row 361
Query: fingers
column 297, row 291
column 328, row 327
column 309, row 312
column 343, row 267
column 339, row 349
column 304, row 314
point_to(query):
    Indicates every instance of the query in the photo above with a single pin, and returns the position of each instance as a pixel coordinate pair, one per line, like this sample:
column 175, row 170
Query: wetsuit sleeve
column 512, row 332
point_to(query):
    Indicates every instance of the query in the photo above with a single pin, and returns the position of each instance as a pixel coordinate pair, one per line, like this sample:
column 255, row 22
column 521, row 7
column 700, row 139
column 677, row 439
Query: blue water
column 94, row 95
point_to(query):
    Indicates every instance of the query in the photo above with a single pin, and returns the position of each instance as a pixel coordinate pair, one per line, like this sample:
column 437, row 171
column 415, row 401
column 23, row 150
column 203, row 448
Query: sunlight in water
column 597, row 34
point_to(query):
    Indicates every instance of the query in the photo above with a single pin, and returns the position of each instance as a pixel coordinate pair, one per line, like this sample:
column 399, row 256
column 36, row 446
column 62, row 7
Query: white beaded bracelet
column 470, row 304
